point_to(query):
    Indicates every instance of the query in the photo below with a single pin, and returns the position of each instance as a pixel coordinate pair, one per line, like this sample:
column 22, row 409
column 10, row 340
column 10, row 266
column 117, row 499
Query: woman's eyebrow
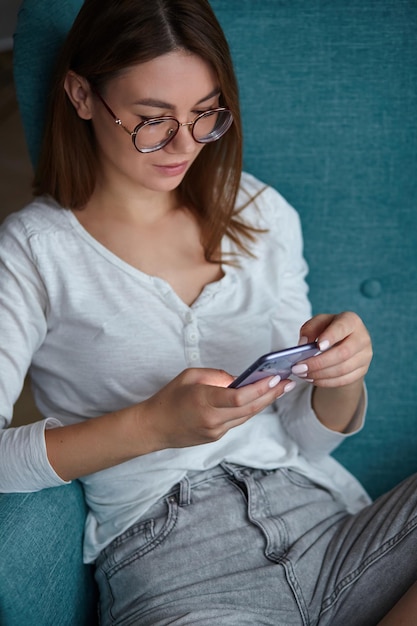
column 214, row 92
column 160, row 104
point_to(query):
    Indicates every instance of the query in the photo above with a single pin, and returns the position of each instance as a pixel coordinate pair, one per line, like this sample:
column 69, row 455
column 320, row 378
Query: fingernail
column 274, row 381
column 289, row 386
column 324, row 345
column 300, row 369
column 302, row 341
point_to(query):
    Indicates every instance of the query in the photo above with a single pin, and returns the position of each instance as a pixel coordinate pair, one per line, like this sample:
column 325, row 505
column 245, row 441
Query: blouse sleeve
column 24, row 464
column 293, row 309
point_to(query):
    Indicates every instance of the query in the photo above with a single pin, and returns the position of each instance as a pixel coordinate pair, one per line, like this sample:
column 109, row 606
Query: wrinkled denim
column 235, row 546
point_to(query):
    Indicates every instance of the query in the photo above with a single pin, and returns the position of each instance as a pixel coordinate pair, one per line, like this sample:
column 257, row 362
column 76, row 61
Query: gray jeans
column 235, row 546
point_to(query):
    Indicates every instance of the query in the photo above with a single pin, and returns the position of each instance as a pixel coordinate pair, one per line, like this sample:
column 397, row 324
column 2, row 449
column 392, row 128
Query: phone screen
column 275, row 363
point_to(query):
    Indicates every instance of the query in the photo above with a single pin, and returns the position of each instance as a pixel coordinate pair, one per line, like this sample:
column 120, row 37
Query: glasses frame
column 167, row 118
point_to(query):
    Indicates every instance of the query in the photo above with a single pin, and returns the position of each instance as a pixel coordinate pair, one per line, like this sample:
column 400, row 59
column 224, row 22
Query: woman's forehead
column 167, row 78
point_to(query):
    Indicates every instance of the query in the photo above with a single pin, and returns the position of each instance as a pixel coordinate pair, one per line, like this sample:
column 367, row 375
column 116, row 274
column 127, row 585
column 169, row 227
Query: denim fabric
column 235, row 546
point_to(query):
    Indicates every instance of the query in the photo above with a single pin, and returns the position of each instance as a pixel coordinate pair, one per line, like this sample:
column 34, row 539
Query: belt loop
column 185, row 492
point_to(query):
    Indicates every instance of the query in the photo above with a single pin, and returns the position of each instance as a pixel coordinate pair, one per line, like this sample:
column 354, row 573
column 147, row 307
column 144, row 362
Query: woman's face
column 177, row 84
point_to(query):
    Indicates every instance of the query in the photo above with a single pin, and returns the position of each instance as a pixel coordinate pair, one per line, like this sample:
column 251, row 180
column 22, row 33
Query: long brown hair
column 108, row 36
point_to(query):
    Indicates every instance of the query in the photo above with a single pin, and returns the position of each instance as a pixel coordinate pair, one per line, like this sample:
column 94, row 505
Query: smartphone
column 275, row 363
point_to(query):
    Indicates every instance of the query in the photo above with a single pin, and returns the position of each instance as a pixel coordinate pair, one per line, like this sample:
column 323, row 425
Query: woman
column 147, row 273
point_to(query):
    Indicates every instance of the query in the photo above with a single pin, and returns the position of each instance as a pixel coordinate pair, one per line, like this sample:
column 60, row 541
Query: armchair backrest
column 41, row 28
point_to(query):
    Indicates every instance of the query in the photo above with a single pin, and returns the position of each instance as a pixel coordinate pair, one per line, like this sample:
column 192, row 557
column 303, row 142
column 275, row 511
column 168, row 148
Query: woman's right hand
column 198, row 407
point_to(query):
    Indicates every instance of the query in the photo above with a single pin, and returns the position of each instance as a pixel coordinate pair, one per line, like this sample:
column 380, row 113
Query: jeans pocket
column 301, row 480
column 118, row 569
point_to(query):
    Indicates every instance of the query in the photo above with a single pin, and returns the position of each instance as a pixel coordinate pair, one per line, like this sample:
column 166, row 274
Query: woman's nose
column 183, row 141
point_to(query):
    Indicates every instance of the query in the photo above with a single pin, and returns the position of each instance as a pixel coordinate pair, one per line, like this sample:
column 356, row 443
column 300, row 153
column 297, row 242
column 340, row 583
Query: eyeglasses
column 155, row 133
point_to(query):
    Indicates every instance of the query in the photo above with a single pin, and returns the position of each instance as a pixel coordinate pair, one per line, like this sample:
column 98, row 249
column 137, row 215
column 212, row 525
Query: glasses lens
column 155, row 134
column 212, row 125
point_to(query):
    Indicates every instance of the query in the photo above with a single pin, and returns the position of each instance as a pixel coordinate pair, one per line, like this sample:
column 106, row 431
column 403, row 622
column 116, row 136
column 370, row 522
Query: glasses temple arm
column 115, row 118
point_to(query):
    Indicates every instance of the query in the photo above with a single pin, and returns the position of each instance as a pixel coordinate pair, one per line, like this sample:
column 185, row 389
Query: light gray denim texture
column 236, row 546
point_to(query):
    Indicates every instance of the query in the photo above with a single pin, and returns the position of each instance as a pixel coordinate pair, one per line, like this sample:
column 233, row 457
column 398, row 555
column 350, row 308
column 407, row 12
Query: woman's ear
column 79, row 92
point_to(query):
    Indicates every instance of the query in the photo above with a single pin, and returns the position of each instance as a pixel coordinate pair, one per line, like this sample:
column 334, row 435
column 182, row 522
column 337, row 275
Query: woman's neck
column 130, row 205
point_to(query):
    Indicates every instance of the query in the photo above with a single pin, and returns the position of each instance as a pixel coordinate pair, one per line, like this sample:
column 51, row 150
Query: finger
column 206, row 376
column 331, row 329
column 335, row 371
column 341, row 327
column 253, row 406
column 339, row 354
column 250, row 398
column 314, row 327
column 340, row 380
column 336, row 361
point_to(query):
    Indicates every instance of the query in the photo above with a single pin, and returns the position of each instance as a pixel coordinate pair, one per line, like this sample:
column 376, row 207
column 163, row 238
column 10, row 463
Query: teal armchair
column 329, row 99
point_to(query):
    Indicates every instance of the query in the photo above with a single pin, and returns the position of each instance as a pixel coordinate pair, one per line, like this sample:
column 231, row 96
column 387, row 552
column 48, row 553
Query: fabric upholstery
column 329, row 94
column 40, row 30
column 43, row 581
column 338, row 83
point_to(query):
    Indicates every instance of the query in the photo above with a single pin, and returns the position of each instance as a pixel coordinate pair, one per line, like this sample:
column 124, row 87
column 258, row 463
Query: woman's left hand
column 346, row 350
column 338, row 372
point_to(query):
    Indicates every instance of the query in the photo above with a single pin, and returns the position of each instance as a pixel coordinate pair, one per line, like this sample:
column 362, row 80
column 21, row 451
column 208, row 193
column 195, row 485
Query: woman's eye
column 153, row 120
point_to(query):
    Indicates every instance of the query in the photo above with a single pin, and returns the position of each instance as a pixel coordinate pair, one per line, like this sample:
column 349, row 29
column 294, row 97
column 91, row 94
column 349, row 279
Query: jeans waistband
column 197, row 477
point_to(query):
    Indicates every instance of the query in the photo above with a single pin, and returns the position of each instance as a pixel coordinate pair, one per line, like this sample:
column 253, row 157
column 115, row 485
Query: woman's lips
column 175, row 169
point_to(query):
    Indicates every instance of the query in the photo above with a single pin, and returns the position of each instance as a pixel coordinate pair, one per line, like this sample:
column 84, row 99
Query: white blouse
column 97, row 335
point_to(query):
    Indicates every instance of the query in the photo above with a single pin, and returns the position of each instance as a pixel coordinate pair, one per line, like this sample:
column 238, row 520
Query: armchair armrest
column 43, row 579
